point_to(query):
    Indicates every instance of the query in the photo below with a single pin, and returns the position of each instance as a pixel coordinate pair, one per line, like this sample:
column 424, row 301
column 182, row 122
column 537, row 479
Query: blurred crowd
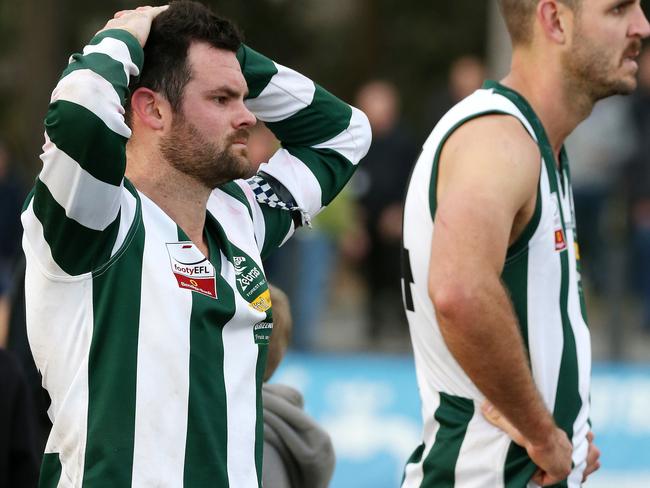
column 347, row 267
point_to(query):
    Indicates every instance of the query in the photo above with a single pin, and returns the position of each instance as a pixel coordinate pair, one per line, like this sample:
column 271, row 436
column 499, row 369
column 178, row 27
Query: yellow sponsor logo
column 263, row 301
column 577, row 248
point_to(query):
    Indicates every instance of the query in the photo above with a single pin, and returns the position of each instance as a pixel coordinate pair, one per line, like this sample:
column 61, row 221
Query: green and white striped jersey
column 542, row 274
column 154, row 355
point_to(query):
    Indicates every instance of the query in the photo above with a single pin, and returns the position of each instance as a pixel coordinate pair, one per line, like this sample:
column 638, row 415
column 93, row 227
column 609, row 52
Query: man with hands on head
column 491, row 262
column 148, row 311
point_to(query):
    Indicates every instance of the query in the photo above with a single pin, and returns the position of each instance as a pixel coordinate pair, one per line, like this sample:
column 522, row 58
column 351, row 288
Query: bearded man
column 148, row 311
column 491, row 263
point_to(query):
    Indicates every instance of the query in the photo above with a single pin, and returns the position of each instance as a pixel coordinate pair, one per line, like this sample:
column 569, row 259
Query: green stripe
column 206, row 446
column 112, row 367
column 103, row 65
column 75, row 248
column 135, row 50
column 325, row 118
column 84, row 137
column 567, row 399
column 453, row 414
column 50, row 470
column 277, row 225
column 515, row 277
column 414, row 458
column 433, row 197
column 257, row 68
column 519, row 468
column 330, row 168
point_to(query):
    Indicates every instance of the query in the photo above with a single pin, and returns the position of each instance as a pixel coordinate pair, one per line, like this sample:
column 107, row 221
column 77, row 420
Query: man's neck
column 180, row 196
column 559, row 107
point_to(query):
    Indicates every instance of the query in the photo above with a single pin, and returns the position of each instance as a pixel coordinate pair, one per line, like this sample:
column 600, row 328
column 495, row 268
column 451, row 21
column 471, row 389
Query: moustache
column 633, row 49
column 240, row 135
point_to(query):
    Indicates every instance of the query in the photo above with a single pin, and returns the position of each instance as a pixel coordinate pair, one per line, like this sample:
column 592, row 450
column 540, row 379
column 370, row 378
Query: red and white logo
column 560, row 241
column 192, row 269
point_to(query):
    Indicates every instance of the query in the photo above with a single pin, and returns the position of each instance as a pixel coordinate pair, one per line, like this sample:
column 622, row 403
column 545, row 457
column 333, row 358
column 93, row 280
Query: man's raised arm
column 73, row 216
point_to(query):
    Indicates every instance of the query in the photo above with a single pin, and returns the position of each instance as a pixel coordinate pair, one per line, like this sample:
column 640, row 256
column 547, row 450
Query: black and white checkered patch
column 269, row 191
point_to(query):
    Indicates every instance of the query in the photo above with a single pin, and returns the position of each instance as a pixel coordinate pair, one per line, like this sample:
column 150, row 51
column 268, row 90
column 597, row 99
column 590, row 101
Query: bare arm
column 487, row 184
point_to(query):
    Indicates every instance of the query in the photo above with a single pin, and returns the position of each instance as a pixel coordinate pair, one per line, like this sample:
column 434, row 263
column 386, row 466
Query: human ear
column 553, row 17
column 151, row 108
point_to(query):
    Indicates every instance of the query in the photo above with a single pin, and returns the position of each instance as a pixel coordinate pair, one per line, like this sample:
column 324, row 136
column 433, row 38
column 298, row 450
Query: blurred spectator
column 638, row 185
column 380, row 184
column 598, row 149
column 466, row 75
column 303, row 266
column 11, row 199
column 297, row 452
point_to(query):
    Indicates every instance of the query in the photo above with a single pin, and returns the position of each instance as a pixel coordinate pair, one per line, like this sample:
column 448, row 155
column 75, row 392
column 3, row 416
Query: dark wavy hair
column 166, row 69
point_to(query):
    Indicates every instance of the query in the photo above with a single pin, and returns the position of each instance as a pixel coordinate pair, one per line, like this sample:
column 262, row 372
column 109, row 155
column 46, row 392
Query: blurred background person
column 598, row 150
column 638, row 194
column 12, row 194
column 466, row 75
column 379, row 185
column 298, row 453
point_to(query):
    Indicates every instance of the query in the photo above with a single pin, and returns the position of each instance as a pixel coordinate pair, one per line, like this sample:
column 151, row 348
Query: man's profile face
column 209, row 132
column 605, row 44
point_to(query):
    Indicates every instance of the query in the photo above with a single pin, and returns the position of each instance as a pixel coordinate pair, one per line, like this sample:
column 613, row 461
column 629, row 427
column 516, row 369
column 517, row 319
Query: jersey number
column 407, row 277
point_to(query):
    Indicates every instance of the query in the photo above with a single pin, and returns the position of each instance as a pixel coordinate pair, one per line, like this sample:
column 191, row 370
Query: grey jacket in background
column 297, row 452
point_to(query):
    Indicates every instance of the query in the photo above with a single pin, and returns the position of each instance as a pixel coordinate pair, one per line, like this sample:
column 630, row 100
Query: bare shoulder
column 494, row 152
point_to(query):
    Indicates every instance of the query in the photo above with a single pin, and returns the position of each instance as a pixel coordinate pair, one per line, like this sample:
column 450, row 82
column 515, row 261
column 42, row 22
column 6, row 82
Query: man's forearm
column 482, row 334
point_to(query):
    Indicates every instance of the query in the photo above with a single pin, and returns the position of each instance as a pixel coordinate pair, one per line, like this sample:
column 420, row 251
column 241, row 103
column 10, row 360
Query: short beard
column 186, row 150
column 588, row 75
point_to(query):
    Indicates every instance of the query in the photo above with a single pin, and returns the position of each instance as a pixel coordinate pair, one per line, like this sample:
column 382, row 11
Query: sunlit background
column 405, row 63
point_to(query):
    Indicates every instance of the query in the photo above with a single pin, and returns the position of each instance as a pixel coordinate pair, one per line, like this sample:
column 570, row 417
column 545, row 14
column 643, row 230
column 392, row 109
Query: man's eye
column 221, row 100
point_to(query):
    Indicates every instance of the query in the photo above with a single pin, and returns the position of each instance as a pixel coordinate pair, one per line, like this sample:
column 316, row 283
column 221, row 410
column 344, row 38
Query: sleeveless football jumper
column 542, row 275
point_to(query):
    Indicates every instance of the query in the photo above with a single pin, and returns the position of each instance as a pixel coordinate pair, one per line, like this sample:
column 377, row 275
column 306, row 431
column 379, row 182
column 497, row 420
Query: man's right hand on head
column 137, row 22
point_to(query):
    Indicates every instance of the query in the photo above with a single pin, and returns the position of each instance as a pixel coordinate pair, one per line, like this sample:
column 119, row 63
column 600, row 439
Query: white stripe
column 117, row 50
column 287, row 93
column 297, row 178
column 62, row 322
column 413, row 473
column 91, row 91
column 128, row 207
column 239, row 366
column 353, row 143
column 544, row 285
column 34, row 240
column 482, row 456
column 258, row 216
column 163, row 368
column 85, row 199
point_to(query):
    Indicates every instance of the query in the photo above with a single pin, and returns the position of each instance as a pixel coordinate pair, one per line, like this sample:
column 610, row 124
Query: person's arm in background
column 322, row 141
column 487, row 185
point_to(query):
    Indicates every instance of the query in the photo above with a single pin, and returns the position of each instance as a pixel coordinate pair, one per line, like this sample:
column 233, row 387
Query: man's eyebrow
column 225, row 90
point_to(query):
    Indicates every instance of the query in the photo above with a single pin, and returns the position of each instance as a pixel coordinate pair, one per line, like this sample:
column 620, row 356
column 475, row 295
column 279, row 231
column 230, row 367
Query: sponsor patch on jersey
column 560, row 241
column 263, row 302
column 193, row 271
column 251, row 282
column 262, row 332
